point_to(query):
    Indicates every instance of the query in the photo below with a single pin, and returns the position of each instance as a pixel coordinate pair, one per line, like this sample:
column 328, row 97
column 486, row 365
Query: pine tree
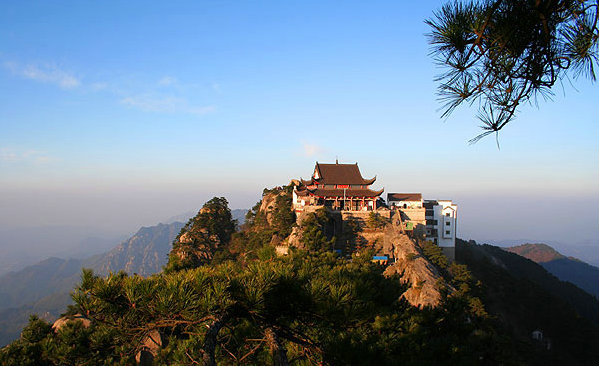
column 504, row 53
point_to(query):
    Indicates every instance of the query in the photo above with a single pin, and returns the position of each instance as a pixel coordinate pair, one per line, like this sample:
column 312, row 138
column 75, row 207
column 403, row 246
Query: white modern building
column 441, row 224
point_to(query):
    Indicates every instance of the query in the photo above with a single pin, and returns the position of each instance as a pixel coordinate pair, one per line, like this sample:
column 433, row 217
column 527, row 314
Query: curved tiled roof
column 341, row 174
column 404, row 196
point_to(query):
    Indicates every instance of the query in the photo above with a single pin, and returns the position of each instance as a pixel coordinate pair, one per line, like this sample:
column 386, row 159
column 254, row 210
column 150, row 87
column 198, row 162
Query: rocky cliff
column 145, row 253
column 351, row 233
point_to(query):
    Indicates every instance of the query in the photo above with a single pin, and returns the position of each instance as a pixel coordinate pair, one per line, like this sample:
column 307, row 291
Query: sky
column 116, row 114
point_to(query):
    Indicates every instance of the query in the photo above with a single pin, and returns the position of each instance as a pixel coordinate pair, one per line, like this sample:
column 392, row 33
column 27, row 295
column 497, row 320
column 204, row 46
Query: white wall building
column 441, row 224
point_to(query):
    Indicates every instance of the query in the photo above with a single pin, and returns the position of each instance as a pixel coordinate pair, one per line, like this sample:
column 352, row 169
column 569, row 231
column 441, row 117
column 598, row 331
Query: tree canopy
column 202, row 236
column 504, row 53
column 304, row 308
column 237, row 302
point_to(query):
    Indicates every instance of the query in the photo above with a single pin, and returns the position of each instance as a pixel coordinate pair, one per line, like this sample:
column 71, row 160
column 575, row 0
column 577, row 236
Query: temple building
column 337, row 186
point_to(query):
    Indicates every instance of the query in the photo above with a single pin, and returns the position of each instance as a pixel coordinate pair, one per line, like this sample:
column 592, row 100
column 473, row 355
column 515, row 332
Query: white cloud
column 153, row 99
column 45, row 74
column 12, row 155
column 310, row 149
column 167, row 104
column 167, row 80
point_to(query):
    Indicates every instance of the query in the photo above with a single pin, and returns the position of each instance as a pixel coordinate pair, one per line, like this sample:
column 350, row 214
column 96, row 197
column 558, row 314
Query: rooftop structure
column 404, row 200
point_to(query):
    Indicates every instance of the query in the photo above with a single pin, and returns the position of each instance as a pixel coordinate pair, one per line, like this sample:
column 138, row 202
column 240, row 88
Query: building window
column 447, row 223
column 447, row 214
column 447, row 232
column 435, row 241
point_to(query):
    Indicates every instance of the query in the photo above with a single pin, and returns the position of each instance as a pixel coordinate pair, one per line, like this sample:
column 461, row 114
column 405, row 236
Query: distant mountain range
column 565, row 268
column 44, row 288
column 586, row 250
column 24, row 246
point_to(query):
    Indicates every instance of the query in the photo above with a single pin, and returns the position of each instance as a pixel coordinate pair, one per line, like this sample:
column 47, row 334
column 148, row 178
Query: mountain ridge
column 24, row 291
column 574, row 270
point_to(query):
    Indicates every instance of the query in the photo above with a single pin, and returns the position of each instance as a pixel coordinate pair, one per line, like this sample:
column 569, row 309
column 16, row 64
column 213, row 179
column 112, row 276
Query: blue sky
column 120, row 114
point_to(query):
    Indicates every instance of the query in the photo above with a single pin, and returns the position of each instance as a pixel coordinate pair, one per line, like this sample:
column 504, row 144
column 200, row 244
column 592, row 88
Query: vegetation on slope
column 565, row 268
column 305, row 308
column 202, row 236
column 242, row 304
column 524, row 297
column 579, row 273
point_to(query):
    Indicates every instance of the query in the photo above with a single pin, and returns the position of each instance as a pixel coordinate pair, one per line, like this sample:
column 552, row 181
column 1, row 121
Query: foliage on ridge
column 243, row 304
column 320, row 307
column 522, row 297
column 202, row 236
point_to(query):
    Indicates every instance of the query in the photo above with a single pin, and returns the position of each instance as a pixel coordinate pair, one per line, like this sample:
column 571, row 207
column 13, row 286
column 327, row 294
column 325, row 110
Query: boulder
column 61, row 322
column 149, row 348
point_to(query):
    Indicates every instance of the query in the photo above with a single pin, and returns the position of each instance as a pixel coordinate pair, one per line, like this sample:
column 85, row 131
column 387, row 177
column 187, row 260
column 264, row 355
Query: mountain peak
column 539, row 253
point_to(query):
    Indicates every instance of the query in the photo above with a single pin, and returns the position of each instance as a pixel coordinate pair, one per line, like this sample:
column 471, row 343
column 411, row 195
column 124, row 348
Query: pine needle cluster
column 502, row 54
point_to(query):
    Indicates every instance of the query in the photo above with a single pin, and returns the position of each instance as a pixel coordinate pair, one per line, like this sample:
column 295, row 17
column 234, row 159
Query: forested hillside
column 226, row 297
column 524, row 297
column 565, row 268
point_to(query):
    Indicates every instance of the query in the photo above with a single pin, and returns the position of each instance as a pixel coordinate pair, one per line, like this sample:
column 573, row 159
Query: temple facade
column 337, row 186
